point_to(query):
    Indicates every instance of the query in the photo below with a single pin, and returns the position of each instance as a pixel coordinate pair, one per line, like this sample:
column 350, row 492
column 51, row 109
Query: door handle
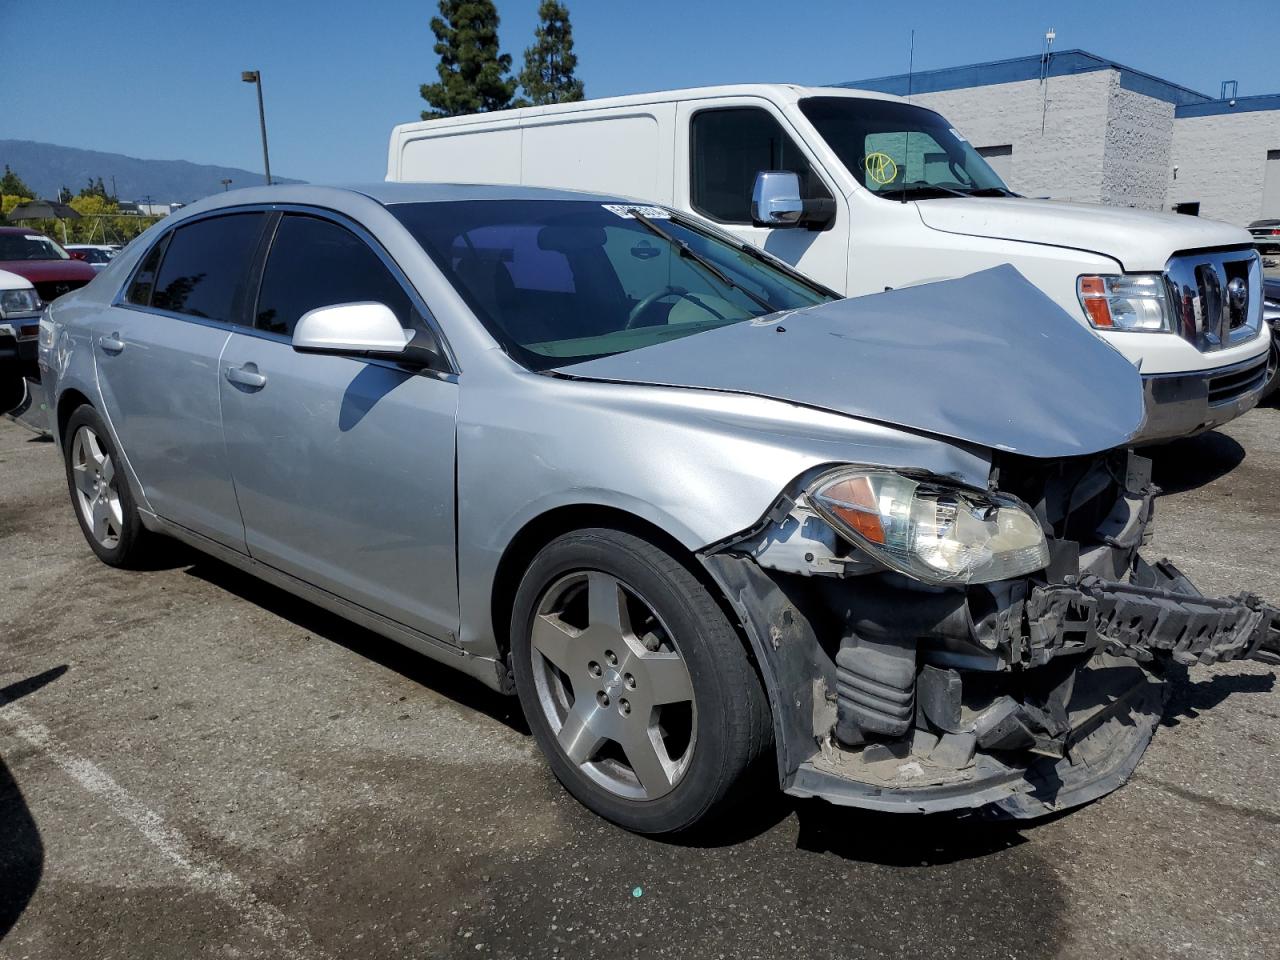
column 111, row 344
column 247, row 376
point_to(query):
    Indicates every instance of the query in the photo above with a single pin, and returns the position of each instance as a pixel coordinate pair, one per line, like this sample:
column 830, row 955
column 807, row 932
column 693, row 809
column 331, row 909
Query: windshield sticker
column 957, row 134
column 624, row 210
column 880, row 167
column 34, row 236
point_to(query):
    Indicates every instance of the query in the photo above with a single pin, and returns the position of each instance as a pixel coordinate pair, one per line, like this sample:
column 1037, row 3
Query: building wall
column 1222, row 162
column 1067, row 160
column 1139, row 140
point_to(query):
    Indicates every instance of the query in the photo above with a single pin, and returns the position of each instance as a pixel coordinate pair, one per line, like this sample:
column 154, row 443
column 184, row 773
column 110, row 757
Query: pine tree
column 11, row 185
column 547, row 76
column 474, row 76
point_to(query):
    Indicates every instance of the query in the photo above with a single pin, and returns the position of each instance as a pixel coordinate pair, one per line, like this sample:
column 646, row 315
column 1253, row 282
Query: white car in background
column 19, row 330
column 96, row 255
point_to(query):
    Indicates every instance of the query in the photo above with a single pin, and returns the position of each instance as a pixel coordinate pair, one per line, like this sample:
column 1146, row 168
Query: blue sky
column 161, row 78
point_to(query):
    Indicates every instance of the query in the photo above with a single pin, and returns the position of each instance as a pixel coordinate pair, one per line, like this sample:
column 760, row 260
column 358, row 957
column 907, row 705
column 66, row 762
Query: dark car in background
column 51, row 270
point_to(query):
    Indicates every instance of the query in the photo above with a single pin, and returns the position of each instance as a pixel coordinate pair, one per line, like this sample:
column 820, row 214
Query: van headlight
column 1129, row 302
column 930, row 530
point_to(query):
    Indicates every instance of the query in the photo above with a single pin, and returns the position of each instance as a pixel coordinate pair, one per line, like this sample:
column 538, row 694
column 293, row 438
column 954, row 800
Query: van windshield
column 900, row 151
column 563, row 281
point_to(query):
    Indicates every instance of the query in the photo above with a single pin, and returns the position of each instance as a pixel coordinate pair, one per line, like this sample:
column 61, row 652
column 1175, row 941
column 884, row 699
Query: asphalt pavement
column 194, row 764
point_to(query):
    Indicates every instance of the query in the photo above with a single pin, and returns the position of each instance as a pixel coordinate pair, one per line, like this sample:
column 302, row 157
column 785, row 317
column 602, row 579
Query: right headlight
column 1129, row 302
column 932, row 531
column 18, row 301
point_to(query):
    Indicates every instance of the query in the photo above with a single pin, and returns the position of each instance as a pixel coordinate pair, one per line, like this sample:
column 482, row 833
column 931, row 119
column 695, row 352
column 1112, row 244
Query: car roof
column 388, row 194
column 24, row 231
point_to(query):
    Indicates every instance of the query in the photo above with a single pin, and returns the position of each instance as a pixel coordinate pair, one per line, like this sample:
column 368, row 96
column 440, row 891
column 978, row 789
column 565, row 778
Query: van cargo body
column 893, row 196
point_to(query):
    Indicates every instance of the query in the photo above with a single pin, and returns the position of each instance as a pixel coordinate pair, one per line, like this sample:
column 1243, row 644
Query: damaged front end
column 931, row 648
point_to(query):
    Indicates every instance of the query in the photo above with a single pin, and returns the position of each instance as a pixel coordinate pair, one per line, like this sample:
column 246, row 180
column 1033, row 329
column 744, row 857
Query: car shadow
column 21, row 848
column 441, row 678
column 1187, row 697
column 1193, row 461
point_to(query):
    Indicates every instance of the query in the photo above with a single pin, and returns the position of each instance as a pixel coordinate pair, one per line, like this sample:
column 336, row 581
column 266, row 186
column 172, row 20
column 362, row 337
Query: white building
column 1076, row 126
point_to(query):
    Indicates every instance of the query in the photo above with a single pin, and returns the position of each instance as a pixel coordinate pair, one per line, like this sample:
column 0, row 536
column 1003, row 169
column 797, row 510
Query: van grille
column 1216, row 297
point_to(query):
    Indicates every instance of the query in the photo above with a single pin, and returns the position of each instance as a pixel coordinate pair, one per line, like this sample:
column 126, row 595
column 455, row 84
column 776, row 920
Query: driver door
column 343, row 467
column 726, row 146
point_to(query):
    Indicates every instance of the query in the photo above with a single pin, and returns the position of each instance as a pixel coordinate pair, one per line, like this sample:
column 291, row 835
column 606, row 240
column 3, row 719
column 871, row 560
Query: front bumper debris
column 1059, row 714
column 1168, row 617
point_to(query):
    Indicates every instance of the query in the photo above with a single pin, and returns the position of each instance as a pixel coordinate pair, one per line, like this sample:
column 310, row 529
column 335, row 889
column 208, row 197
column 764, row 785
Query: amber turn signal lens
column 854, row 502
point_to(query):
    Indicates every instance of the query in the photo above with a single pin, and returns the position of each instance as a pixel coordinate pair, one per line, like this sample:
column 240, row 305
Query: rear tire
column 100, row 495
column 621, row 655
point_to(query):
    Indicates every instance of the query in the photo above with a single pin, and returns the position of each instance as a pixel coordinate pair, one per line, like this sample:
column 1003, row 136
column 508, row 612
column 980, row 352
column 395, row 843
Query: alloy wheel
column 97, row 492
column 613, row 686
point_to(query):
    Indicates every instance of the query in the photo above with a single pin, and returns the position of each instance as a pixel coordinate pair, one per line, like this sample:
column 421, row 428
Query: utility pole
column 255, row 77
column 226, row 183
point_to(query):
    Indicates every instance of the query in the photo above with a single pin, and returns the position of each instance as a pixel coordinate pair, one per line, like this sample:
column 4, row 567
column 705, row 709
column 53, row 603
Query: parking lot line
column 201, row 872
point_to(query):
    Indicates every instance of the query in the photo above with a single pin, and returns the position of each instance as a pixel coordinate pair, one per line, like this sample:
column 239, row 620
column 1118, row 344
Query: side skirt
column 487, row 670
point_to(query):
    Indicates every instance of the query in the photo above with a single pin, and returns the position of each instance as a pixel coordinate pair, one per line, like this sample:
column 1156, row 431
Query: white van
column 864, row 191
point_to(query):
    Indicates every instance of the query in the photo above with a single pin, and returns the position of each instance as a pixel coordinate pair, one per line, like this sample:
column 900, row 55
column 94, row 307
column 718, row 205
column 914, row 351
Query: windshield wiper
column 689, row 253
column 912, row 189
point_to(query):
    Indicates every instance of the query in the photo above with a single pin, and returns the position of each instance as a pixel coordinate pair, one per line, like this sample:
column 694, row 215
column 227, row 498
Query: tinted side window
column 729, row 147
column 205, row 266
column 316, row 263
column 145, row 279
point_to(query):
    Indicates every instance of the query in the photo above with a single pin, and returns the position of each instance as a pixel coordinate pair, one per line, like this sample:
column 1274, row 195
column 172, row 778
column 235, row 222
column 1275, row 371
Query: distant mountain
column 46, row 167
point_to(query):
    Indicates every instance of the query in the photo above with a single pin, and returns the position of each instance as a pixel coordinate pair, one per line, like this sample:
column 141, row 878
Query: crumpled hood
column 987, row 359
column 1139, row 239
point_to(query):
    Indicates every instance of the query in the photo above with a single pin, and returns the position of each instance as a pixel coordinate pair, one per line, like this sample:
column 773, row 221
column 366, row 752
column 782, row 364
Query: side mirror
column 78, row 255
column 776, row 202
column 363, row 329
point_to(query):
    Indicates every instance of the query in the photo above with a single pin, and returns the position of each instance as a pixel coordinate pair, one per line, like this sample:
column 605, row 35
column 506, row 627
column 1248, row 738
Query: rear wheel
column 634, row 683
column 104, row 507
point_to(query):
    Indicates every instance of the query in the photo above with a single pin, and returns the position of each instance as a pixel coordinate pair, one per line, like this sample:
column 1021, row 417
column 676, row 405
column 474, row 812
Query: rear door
column 344, row 467
column 156, row 352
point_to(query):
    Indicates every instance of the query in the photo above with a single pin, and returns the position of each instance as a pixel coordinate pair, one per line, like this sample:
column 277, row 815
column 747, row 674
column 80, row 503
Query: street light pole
column 255, row 77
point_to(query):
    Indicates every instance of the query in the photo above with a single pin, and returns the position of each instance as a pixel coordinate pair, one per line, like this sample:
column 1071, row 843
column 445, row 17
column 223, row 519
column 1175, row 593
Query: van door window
column 728, row 148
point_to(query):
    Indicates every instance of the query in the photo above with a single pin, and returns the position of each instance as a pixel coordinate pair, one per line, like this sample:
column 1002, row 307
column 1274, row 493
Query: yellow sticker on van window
column 880, row 167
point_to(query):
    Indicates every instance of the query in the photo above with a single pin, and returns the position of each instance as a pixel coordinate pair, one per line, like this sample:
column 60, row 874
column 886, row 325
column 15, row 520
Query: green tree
column 95, row 188
column 11, row 185
column 474, row 76
column 547, row 76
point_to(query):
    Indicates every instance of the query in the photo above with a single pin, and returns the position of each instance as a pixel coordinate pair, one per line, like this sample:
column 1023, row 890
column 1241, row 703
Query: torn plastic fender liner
column 798, row 676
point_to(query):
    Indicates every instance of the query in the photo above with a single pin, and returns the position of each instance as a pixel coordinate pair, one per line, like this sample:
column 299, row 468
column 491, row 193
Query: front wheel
column 634, row 683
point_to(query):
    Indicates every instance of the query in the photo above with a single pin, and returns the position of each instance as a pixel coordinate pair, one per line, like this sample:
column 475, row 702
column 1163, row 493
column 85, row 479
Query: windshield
column 563, row 281
column 29, row 246
column 900, row 151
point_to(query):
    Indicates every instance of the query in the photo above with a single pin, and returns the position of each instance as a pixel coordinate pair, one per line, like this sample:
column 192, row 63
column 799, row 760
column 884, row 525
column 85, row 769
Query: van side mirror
column 776, row 201
column 364, row 329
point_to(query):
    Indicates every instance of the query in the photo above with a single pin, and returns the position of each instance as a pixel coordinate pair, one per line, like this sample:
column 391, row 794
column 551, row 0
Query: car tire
column 100, row 495
column 667, row 614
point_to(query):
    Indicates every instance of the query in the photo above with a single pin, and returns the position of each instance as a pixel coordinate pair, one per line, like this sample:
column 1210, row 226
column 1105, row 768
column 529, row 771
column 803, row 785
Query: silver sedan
column 693, row 509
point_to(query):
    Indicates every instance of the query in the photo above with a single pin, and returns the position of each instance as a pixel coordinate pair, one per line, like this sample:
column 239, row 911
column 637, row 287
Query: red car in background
column 50, row 269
